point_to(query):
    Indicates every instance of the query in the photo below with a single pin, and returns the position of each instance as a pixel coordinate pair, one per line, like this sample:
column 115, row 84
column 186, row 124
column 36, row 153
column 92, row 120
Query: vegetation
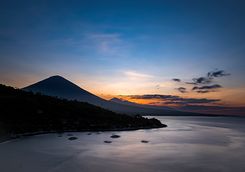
column 26, row 112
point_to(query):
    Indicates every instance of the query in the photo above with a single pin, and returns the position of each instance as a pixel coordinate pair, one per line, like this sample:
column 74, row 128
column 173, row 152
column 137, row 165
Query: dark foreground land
column 24, row 112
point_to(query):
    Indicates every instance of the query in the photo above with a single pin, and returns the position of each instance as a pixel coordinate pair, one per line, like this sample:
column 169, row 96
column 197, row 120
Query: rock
column 114, row 136
column 144, row 141
column 89, row 133
column 72, row 138
column 107, row 141
column 69, row 134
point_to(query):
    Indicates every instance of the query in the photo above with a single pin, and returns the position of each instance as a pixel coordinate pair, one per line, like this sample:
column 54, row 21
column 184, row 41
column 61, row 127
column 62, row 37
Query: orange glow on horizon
column 228, row 96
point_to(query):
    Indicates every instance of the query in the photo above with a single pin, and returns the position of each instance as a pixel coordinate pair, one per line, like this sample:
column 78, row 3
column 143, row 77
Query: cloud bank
column 206, row 89
column 203, row 84
column 172, row 100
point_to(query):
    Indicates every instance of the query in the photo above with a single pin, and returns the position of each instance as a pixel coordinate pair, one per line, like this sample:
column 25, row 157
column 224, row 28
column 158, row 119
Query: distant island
column 26, row 112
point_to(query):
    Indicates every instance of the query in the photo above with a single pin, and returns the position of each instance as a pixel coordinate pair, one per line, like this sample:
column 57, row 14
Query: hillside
column 25, row 112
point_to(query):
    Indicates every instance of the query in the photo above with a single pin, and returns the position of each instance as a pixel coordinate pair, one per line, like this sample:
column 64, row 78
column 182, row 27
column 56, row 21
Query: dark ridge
column 26, row 112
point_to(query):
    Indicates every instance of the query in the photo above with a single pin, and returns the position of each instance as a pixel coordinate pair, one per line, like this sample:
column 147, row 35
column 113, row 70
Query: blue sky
column 123, row 47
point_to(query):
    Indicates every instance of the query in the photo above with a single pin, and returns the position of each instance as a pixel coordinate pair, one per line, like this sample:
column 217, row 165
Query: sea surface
column 188, row 144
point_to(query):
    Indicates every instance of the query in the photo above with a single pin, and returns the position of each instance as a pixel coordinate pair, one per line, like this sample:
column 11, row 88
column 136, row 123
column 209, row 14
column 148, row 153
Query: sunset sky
column 133, row 49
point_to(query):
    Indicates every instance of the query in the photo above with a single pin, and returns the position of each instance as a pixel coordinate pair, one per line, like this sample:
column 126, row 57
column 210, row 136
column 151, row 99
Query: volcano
column 60, row 87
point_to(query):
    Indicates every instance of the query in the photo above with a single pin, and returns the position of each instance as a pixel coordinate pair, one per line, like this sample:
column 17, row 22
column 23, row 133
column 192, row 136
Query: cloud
column 182, row 89
column 176, row 80
column 152, row 96
column 106, row 42
column 208, row 78
column 187, row 101
column 205, row 82
column 203, row 91
column 137, row 75
column 173, row 100
column 214, row 109
column 217, row 73
column 207, row 88
column 200, row 80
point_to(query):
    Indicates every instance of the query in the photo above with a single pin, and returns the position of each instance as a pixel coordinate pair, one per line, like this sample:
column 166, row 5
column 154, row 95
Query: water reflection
column 187, row 144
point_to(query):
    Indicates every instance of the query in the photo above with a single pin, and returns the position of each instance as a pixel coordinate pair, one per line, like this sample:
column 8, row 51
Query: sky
column 129, row 48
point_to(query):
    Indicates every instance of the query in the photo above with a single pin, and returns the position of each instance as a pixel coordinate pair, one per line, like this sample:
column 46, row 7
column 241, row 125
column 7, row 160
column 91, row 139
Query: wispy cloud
column 203, row 84
column 137, row 75
column 106, row 42
column 109, row 44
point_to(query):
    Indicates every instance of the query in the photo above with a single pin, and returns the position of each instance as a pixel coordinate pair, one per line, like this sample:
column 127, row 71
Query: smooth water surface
column 187, row 144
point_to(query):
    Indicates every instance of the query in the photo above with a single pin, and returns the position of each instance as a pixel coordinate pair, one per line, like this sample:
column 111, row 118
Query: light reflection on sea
column 187, row 144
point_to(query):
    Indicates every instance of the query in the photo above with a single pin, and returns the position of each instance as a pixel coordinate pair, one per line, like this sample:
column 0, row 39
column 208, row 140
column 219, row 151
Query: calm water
column 187, row 144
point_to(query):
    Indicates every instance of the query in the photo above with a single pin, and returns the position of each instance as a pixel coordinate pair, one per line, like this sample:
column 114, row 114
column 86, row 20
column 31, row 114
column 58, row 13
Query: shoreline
column 201, row 115
column 9, row 137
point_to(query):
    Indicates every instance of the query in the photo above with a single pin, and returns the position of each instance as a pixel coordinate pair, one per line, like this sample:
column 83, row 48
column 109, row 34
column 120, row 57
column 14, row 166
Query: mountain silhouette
column 60, row 87
column 125, row 102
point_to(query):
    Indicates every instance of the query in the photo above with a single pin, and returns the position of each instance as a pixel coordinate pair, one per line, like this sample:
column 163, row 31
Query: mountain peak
column 59, row 86
column 55, row 81
column 116, row 99
column 121, row 101
column 56, row 77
